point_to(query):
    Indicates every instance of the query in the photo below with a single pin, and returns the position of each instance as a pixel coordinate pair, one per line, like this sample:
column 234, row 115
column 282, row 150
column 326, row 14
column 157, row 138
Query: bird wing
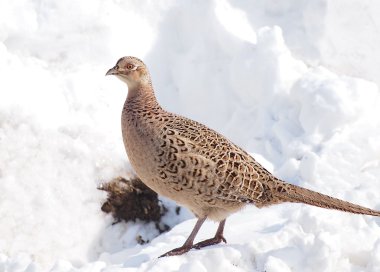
column 223, row 169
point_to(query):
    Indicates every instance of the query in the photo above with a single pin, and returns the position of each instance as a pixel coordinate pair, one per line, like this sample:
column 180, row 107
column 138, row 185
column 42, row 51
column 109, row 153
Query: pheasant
column 196, row 166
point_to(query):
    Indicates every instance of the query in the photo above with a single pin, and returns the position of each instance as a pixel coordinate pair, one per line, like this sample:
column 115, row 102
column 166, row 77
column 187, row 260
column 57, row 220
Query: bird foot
column 177, row 251
column 209, row 242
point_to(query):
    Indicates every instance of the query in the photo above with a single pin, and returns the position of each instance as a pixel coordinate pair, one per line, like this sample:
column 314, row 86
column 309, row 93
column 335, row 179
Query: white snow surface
column 289, row 81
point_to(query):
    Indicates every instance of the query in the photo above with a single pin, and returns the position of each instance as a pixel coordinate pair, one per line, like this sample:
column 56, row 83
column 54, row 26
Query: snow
column 293, row 82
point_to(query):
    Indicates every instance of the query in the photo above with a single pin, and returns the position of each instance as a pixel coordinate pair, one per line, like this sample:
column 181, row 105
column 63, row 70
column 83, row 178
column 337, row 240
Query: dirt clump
column 130, row 200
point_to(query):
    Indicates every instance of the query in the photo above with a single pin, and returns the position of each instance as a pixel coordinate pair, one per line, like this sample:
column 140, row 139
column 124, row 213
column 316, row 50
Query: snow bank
column 342, row 35
column 225, row 64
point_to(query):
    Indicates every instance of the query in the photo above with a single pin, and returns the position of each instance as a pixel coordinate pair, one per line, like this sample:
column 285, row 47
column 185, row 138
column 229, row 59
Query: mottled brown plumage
column 199, row 168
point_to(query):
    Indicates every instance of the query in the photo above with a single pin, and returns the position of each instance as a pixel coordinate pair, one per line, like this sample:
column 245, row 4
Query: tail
column 293, row 193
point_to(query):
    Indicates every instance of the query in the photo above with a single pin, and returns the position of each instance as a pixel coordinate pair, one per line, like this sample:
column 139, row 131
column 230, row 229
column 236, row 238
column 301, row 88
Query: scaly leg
column 218, row 238
column 189, row 242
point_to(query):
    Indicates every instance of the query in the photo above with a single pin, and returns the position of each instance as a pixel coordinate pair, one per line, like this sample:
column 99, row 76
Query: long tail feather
column 298, row 194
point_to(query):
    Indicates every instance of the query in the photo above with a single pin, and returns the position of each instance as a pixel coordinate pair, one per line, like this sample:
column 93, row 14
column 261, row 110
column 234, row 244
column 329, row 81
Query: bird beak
column 112, row 71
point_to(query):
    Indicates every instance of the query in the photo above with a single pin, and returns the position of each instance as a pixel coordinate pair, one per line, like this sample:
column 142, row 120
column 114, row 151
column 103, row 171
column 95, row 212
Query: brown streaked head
column 131, row 70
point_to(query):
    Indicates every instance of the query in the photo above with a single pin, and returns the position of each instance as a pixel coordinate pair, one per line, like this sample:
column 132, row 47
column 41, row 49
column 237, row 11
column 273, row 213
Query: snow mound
column 267, row 75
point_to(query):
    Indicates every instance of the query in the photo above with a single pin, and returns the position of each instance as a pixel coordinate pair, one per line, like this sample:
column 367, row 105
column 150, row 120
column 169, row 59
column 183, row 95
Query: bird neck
column 143, row 96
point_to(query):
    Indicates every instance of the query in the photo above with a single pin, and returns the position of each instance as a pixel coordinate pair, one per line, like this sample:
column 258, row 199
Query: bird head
column 130, row 70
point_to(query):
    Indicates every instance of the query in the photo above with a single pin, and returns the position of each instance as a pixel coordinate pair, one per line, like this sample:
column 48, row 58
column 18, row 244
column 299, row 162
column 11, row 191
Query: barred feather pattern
column 196, row 166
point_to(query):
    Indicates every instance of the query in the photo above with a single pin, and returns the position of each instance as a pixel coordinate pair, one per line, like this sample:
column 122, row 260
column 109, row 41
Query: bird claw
column 183, row 249
column 209, row 242
column 177, row 251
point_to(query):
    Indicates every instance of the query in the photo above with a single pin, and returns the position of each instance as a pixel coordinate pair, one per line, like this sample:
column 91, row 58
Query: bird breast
column 138, row 137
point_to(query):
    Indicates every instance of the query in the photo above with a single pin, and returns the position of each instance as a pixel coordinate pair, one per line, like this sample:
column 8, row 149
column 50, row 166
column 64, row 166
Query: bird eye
column 130, row 66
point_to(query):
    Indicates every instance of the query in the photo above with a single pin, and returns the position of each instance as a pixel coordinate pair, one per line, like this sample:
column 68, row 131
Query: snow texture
column 293, row 82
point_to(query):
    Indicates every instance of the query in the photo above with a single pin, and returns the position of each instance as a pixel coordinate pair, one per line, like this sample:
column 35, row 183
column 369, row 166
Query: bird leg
column 218, row 238
column 188, row 243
